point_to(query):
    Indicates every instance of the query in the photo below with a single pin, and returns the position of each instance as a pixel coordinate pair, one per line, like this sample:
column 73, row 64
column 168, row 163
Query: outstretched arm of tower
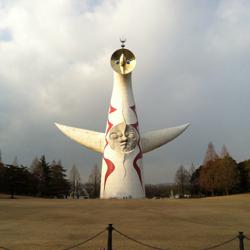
column 157, row 138
column 90, row 139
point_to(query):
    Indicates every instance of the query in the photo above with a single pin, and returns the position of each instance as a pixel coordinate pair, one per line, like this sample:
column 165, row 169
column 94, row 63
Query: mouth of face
column 123, row 144
column 126, row 147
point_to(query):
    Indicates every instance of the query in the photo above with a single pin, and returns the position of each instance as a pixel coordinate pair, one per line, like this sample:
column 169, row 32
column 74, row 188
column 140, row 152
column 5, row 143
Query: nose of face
column 124, row 138
column 122, row 63
column 122, row 60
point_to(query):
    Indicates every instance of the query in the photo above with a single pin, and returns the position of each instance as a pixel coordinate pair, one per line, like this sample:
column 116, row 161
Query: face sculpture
column 123, row 61
column 123, row 138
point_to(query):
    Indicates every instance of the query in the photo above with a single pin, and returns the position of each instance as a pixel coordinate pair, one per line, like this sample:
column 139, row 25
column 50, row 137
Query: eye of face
column 131, row 135
column 116, row 61
column 128, row 61
column 113, row 136
column 119, row 134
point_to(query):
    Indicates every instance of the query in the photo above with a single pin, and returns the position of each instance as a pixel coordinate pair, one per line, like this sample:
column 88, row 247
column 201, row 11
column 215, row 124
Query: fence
column 239, row 239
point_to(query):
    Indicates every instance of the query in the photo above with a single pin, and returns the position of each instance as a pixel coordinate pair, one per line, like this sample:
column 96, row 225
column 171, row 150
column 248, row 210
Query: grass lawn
column 171, row 224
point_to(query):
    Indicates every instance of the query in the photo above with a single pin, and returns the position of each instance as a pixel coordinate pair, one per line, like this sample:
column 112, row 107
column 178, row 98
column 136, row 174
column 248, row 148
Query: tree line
column 219, row 174
column 44, row 179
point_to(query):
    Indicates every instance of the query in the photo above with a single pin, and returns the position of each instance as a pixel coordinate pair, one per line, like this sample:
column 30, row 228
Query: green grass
column 173, row 224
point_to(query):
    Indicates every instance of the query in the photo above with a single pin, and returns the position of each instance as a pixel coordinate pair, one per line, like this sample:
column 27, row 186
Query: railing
column 110, row 240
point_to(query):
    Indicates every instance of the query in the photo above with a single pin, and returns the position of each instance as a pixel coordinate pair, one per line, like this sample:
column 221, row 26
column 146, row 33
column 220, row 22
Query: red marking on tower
column 110, row 125
column 135, row 125
column 136, row 166
column 134, row 109
column 139, row 155
column 110, row 169
column 112, row 109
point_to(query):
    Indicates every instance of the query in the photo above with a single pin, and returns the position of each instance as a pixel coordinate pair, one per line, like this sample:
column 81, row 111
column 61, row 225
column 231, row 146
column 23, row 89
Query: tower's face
column 123, row 138
column 123, row 61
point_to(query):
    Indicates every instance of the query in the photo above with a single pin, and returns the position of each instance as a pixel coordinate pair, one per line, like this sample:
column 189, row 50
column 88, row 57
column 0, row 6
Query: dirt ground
column 179, row 224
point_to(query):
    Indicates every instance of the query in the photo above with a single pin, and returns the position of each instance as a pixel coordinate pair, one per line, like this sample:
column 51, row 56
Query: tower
column 122, row 145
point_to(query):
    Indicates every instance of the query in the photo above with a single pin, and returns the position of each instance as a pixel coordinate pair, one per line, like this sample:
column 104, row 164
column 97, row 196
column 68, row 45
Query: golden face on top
column 123, row 61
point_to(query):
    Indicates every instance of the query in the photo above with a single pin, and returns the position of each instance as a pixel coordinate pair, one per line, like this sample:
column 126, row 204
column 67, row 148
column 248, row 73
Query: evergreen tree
column 244, row 176
column 37, row 172
column 2, row 177
column 195, row 182
column 45, row 178
column 18, row 180
column 59, row 184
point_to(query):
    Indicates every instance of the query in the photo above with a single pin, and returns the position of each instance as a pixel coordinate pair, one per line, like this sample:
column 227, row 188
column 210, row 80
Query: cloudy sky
column 193, row 65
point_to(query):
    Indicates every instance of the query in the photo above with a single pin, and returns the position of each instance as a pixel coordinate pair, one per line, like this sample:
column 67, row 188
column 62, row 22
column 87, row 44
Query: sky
column 193, row 65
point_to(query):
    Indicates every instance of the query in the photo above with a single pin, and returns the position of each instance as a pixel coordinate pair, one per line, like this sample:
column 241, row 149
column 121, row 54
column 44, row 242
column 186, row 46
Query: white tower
column 121, row 144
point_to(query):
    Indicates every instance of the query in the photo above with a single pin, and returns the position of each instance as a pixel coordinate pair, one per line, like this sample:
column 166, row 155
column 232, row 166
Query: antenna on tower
column 123, row 40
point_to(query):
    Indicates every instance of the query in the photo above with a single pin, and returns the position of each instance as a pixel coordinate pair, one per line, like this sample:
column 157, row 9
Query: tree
column 244, row 176
column 37, row 173
column 224, row 152
column 95, row 181
column 2, row 177
column 35, row 166
column 59, row 185
column 18, row 180
column 219, row 175
column 45, row 177
column 207, row 178
column 207, row 173
column 159, row 190
column 192, row 169
column 182, row 179
column 226, row 174
column 210, row 155
column 75, row 182
column 15, row 162
column 195, row 182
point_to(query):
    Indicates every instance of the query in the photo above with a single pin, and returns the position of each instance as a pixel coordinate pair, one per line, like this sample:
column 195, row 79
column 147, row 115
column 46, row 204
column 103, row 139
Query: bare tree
column 35, row 165
column 75, row 181
column 95, row 180
column 192, row 169
column 182, row 179
column 15, row 162
column 210, row 155
column 37, row 172
column 224, row 152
